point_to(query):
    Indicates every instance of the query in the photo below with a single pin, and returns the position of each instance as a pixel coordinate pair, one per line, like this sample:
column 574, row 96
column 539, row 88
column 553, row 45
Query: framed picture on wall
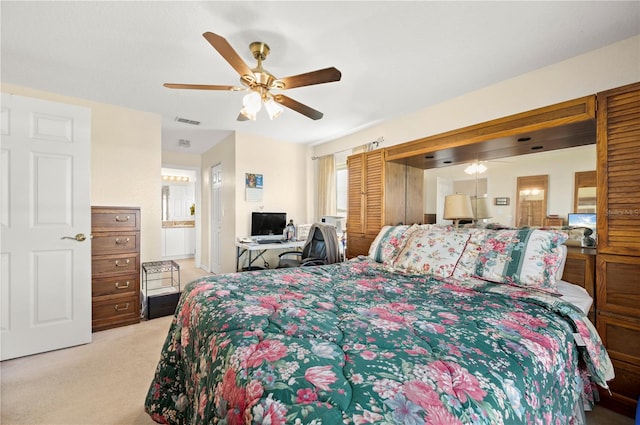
column 253, row 180
column 501, row 201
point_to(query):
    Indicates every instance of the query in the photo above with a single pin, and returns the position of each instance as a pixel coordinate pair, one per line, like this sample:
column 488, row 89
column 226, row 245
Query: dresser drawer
column 106, row 219
column 120, row 284
column 625, row 389
column 621, row 336
column 617, row 283
column 115, row 264
column 116, row 310
column 115, row 243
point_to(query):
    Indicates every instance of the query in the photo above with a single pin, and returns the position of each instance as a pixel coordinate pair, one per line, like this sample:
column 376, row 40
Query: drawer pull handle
column 118, row 308
column 125, row 219
column 119, row 286
column 122, row 241
column 122, row 265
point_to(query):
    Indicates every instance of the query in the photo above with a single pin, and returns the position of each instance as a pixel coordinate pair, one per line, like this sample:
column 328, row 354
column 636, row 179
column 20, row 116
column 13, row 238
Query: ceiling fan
column 260, row 82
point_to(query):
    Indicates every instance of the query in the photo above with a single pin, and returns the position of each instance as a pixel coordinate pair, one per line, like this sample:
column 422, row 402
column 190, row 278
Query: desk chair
column 322, row 247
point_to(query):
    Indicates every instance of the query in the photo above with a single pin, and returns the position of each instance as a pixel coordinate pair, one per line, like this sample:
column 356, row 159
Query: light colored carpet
column 105, row 382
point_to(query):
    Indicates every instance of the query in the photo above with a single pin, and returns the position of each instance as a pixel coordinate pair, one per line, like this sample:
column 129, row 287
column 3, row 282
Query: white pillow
column 575, row 295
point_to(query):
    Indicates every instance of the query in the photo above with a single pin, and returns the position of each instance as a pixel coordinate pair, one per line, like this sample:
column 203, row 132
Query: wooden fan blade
column 226, row 51
column 320, row 76
column 201, row 87
column 242, row 118
column 298, row 107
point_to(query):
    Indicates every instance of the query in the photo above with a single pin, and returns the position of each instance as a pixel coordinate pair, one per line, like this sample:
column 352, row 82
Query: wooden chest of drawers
column 115, row 261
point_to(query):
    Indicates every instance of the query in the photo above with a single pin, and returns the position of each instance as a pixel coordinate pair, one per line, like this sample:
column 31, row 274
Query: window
column 341, row 189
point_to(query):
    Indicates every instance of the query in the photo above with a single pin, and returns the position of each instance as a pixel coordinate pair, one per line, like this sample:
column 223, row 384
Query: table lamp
column 457, row 207
column 480, row 208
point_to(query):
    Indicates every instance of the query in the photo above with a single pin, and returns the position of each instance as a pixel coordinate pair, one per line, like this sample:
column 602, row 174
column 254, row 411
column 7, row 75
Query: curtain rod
column 376, row 143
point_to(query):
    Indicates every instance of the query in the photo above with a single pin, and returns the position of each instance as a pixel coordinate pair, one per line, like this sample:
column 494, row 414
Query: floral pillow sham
column 526, row 257
column 433, row 251
column 388, row 243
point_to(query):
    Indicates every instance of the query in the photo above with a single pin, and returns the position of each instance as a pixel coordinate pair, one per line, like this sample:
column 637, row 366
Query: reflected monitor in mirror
column 582, row 220
column 582, row 230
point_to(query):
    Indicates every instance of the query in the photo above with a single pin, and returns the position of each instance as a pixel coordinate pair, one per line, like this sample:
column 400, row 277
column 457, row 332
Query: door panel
column 46, row 271
column 216, row 218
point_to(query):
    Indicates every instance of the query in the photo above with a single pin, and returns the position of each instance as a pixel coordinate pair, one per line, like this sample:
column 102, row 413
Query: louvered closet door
column 374, row 192
column 618, row 197
column 355, row 212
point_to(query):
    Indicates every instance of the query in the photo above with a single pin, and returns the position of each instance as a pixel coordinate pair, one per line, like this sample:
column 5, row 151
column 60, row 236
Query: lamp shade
column 457, row 207
column 480, row 208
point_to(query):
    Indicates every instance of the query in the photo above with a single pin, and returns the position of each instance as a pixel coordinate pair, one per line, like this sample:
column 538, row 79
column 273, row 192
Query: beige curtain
column 360, row 149
column 326, row 186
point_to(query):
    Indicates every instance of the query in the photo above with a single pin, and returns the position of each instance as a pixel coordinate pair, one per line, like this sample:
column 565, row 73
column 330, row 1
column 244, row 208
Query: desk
column 259, row 249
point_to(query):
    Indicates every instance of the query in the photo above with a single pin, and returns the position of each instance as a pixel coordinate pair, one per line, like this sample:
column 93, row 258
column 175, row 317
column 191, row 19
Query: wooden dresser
column 115, row 261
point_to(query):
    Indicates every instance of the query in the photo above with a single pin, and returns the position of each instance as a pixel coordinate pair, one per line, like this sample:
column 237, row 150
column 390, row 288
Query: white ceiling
column 395, row 57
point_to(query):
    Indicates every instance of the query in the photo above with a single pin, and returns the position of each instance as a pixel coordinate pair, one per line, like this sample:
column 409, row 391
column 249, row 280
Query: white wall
column 125, row 161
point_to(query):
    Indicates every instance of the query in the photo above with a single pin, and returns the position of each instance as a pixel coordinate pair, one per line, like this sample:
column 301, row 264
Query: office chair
column 321, row 247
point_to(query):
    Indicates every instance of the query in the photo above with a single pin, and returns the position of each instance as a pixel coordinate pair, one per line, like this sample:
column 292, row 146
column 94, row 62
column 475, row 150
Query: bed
column 435, row 326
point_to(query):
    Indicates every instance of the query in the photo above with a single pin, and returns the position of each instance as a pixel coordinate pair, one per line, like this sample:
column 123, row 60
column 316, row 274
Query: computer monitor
column 268, row 225
column 582, row 220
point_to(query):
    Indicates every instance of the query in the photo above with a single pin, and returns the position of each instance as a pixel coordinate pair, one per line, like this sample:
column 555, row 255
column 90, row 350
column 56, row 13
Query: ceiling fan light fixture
column 259, row 81
column 475, row 168
column 247, row 114
column 273, row 108
column 252, row 102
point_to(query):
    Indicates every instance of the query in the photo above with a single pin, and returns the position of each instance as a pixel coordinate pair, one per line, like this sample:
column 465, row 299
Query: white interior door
column 45, row 192
column 216, row 217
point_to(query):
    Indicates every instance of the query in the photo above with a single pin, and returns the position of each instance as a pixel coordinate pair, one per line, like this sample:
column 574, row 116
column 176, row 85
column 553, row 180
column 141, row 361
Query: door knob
column 79, row 237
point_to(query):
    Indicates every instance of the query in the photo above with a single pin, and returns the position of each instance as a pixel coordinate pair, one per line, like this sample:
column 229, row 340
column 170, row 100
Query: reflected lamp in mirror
column 457, row 207
column 480, row 207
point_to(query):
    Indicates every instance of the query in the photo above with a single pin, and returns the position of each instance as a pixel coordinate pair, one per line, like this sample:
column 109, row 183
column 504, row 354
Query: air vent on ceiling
column 187, row 121
column 184, row 143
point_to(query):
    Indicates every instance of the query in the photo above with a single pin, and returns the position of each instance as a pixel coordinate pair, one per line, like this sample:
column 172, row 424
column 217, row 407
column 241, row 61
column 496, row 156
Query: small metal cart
column 161, row 291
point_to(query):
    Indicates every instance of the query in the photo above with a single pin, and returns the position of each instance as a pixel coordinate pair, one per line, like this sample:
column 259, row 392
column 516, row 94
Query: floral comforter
column 353, row 343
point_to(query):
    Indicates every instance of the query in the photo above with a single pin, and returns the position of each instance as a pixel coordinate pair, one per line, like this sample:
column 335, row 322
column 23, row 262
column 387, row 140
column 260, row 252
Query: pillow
column 433, row 251
column 466, row 267
column 526, row 257
column 389, row 241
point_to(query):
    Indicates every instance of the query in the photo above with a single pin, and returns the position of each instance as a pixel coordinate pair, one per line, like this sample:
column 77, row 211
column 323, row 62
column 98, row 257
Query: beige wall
column 602, row 69
column 612, row 66
column 181, row 159
column 125, row 161
column 284, row 167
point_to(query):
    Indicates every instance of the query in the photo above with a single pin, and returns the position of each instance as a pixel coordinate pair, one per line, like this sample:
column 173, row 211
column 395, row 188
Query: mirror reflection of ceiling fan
column 260, row 82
